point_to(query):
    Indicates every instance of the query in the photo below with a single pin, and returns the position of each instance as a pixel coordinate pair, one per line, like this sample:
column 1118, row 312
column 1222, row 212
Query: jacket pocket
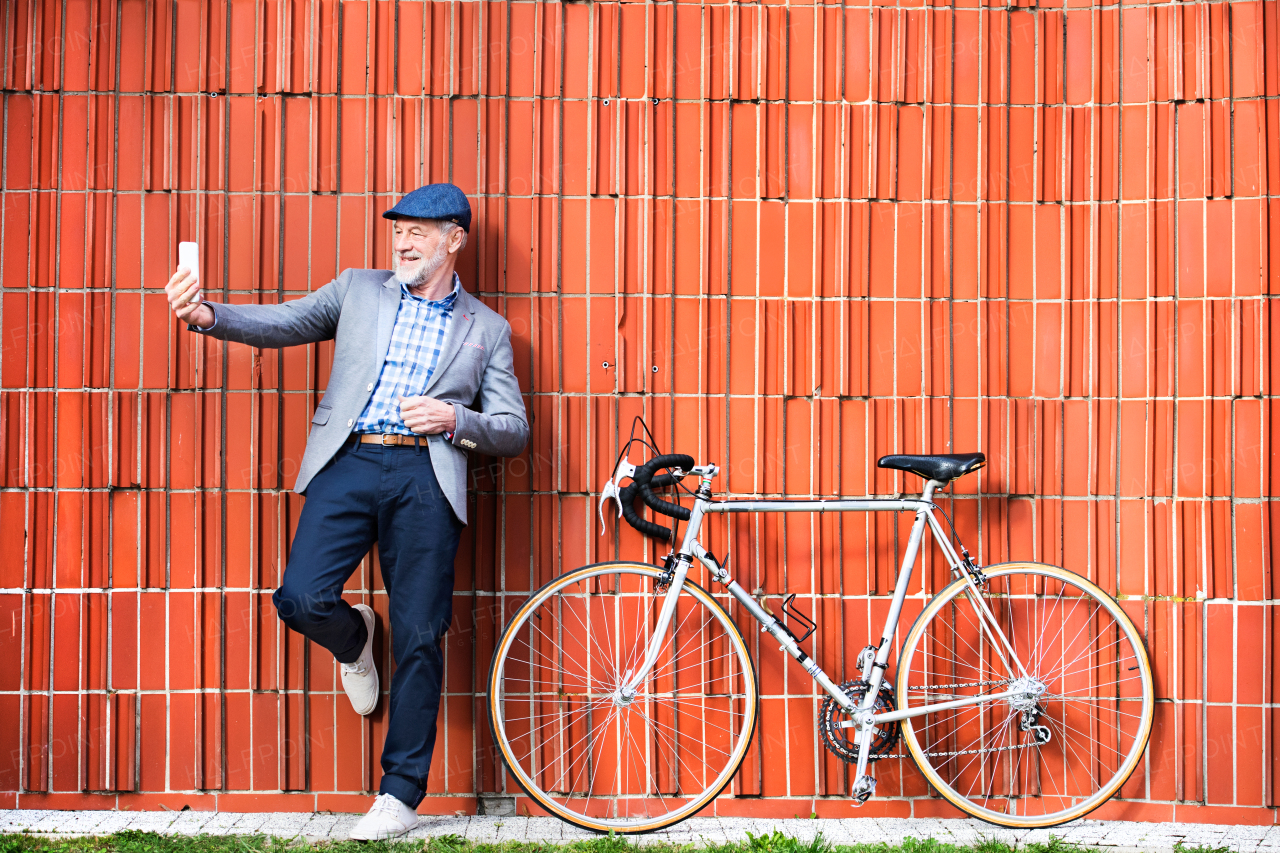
column 321, row 416
column 467, row 369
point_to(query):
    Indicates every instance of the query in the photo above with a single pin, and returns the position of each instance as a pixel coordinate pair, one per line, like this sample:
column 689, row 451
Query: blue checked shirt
column 416, row 341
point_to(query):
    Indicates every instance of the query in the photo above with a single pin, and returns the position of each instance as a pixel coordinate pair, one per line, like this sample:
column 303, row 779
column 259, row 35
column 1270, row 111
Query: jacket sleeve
column 501, row 427
column 312, row 318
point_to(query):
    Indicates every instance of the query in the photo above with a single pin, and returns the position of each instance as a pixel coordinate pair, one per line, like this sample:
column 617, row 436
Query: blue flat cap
column 434, row 201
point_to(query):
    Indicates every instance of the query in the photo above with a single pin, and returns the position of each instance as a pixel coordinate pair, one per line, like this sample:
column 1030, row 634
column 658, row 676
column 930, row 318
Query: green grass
column 774, row 842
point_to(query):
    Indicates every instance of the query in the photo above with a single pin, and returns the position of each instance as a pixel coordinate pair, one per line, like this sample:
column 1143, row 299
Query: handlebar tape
column 628, row 496
column 643, row 477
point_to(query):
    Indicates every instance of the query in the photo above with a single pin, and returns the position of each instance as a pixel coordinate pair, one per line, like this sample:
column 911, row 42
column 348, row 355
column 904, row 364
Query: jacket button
column 370, row 388
column 350, row 422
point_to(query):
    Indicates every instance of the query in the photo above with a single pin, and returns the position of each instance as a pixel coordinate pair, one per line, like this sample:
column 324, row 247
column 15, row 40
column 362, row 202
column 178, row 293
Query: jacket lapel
column 460, row 324
column 388, row 306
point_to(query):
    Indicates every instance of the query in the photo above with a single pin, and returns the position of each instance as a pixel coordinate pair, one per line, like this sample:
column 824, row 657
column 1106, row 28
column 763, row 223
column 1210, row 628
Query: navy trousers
column 390, row 495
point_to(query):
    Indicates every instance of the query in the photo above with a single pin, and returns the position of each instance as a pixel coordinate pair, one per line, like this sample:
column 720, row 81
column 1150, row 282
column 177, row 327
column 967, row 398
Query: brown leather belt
column 389, row 439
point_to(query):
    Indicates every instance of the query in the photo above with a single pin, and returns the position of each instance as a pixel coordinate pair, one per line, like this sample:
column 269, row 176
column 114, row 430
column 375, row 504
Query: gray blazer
column 358, row 311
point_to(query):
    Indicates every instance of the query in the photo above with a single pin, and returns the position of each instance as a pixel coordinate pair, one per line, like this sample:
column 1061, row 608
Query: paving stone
column 318, row 827
column 221, row 823
column 433, row 825
column 150, row 821
column 69, row 823
column 288, row 825
column 14, row 820
column 343, row 825
column 190, row 823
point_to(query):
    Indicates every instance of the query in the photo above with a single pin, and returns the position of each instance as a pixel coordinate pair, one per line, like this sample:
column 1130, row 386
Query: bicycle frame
column 873, row 673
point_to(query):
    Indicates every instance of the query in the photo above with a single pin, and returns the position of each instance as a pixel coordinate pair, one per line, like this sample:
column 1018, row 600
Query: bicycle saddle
column 943, row 466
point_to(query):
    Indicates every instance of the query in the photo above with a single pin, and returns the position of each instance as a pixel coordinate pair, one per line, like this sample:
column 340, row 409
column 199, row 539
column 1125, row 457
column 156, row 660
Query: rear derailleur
column 1030, row 723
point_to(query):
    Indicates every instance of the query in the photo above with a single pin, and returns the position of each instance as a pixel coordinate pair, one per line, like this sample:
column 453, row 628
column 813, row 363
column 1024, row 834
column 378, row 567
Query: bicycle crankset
column 842, row 740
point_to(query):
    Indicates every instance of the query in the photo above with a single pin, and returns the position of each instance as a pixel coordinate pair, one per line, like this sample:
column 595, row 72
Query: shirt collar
column 444, row 304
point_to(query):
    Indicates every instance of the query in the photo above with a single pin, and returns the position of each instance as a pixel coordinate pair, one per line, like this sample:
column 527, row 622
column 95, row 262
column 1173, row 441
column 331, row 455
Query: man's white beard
column 425, row 269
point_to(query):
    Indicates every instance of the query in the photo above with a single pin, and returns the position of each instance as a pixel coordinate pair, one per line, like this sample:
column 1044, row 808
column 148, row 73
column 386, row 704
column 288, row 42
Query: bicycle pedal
column 863, row 790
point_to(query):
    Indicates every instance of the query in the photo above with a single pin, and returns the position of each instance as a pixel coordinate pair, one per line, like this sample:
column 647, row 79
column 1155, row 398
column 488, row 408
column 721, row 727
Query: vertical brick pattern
column 792, row 237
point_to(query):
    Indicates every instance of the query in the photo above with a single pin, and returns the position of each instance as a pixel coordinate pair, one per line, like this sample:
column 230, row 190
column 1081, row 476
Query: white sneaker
column 360, row 679
column 388, row 818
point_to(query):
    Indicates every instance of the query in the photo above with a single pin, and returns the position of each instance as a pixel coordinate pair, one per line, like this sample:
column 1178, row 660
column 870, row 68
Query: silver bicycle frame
column 691, row 550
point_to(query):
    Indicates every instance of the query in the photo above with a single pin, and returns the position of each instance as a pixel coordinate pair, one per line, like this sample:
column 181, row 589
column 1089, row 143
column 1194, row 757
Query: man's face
column 418, row 249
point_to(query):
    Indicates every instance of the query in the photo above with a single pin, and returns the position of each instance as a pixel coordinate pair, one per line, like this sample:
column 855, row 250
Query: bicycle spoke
column 661, row 798
column 551, row 640
column 669, row 740
column 1061, row 622
column 707, row 745
column 1084, row 623
column 695, row 665
column 994, row 771
column 570, row 751
column 1071, row 765
column 1094, row 651
column 587, row 762
column 591, row 635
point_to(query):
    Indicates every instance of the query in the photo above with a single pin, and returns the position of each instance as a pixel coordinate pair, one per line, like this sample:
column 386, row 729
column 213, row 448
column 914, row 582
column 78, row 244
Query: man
column 422, row 373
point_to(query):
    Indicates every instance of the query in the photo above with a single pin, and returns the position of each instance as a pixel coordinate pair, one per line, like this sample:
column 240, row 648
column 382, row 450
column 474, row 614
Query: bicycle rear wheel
column 583, row 747
column 1078, row 725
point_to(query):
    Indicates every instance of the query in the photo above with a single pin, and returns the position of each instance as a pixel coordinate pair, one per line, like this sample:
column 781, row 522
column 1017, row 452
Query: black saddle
column 944, row 466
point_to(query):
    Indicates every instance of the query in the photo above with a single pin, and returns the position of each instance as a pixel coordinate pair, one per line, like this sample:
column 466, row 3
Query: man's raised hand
column 183, row 293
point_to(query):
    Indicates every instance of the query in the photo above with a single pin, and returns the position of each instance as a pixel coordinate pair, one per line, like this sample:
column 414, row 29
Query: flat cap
column 434, row 201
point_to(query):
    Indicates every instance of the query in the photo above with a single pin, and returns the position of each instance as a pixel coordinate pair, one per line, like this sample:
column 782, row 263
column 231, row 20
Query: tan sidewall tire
column 1140, row 650
column 495, row 726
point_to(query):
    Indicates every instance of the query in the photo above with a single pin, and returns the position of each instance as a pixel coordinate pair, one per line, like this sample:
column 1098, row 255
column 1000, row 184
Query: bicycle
column 623, row 697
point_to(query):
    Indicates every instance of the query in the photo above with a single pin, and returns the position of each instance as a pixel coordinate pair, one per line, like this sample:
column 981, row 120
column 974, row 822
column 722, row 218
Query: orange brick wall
column 793, row 237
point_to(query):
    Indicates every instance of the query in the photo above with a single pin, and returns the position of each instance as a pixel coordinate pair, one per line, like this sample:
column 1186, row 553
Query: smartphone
column 189, row 257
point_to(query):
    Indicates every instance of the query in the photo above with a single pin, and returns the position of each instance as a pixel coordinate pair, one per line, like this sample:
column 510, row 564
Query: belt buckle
column 387, row 435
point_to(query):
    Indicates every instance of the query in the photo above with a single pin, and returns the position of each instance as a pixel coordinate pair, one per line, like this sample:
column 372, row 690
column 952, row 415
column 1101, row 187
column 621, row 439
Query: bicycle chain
column 935, row 687
column 966, row 751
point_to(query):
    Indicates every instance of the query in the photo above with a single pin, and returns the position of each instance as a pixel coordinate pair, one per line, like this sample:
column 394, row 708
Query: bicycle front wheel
column 1080, row 716
column 584, row 746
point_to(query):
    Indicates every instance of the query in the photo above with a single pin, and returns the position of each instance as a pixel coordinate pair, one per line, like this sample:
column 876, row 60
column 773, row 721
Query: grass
column 774, row 842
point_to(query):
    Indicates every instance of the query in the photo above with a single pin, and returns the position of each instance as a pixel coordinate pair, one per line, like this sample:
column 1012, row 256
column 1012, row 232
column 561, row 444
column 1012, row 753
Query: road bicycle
column 623, row 698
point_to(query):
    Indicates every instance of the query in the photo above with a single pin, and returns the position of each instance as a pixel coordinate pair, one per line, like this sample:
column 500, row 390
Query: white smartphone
column 189, row 257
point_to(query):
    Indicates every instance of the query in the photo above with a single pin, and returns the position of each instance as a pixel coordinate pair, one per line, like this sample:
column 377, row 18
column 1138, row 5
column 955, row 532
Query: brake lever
column 611, row 490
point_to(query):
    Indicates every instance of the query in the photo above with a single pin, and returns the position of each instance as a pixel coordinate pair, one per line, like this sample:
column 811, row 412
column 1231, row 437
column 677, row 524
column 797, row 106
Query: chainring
column 842, row 741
